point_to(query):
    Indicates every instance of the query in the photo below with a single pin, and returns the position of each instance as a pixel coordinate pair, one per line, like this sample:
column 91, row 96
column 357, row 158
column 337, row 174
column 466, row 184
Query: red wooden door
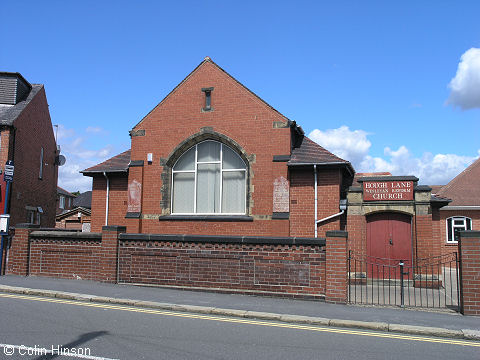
column 389, row 239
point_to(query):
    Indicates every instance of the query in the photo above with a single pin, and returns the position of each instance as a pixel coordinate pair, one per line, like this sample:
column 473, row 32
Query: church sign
column 387, row 190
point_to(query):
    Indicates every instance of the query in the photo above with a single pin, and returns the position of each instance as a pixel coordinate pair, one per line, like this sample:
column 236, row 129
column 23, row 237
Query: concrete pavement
column 441, row 324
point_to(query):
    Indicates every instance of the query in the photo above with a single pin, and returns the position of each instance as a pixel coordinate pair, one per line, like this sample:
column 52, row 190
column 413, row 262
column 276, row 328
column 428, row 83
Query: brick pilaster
column 18, row 252
column 109, row 253
column 469, row 250
column 336, row 267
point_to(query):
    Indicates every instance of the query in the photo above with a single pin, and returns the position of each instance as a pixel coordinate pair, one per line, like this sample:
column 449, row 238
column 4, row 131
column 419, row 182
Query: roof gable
column 464, row 189
column 209, row 62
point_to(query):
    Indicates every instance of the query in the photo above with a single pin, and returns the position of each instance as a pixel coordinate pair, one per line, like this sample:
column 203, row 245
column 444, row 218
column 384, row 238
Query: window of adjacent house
column 62, row 202
column 456, row 224
column 40, row 173
column 209, row 178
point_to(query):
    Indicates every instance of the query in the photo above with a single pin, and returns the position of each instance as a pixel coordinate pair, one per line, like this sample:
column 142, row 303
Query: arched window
column 209, row 178
column 456, row 224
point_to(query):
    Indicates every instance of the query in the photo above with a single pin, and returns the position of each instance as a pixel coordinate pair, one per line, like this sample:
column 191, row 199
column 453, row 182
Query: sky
column 388, row 85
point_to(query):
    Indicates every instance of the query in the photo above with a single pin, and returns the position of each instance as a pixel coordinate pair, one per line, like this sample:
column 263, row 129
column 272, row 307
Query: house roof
column 62, row 191
column 9, row 113
column 464, row 189
column 75, row 210
column 436, row 188
column 310, row 153
column 118, row 163
column 83, row 200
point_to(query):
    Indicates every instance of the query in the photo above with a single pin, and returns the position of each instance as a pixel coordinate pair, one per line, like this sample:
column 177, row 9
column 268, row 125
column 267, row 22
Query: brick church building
column 212, row 158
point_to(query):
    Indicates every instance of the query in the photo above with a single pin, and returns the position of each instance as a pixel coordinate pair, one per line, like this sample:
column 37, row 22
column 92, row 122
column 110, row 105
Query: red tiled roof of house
column 64, row 192
column 436, row 188
column 464, row 189
column 310, row 153
column 118, row 163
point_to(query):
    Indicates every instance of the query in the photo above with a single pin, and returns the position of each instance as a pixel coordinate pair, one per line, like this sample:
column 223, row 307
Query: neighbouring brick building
column 213, row 158
column 64, row 200
column 27, row 139
column 463, row 212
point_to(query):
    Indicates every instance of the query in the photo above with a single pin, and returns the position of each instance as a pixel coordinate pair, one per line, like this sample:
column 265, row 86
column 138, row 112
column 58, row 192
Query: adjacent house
column 65, row 200
column 27, row 139
column 463, row 212
column 78, row 216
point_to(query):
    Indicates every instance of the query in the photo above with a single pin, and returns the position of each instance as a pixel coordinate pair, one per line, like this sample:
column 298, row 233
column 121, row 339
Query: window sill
column 451, row 244
column 231, row 218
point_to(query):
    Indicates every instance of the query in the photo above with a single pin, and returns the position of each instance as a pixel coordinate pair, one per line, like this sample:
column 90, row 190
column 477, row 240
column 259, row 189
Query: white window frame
column 463, row 227
column 61, row 201
column 222, row 170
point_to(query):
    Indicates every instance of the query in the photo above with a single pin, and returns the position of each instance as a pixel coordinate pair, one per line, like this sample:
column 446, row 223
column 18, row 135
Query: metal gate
column 428, row 283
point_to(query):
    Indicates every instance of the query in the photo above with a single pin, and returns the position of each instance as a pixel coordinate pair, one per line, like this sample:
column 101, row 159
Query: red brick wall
column 276, row 269
column 65, row 258
column 117, row 206
column 33, row 131
column 302, row 201
column 470, row 272
column 357, row 233
column 336, row 267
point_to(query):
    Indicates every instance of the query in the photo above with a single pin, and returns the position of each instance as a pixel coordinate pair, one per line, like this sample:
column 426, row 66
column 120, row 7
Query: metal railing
column 429, row 283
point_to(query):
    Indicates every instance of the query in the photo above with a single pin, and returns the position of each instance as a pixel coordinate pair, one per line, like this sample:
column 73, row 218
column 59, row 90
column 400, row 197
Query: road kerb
column 425, row 330
column 380, row 326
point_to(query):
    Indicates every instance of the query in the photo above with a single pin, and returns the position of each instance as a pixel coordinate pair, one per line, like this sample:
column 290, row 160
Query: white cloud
column 351, row 145
column 78, row 158
column 93, row 129
column 465, row 86
column 354, row 146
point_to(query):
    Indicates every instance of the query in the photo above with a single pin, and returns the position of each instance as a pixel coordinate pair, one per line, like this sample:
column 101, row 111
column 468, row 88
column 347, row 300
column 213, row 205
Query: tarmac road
column 96, row 331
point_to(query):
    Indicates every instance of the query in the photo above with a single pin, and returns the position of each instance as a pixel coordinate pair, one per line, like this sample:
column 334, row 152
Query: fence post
column 18, row 254
column 336, row 267
column 109, row 253
column 469, row 251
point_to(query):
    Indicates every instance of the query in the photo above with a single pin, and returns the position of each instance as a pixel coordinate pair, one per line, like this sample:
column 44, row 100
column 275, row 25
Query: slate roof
column 62, row 191
column 464, row 189
column 310, row 153
column 83, row 200
column 118, row 163
column 8, row 113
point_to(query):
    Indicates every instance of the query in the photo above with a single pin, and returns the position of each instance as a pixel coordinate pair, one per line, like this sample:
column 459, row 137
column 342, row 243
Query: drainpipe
column 315, row 185
column 329, row 217
column 108, row 195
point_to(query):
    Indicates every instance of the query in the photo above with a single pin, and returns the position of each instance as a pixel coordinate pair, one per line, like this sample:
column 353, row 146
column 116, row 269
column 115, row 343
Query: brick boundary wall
column 279, row 266
column 469, row 251
column 336, row 267
column 275, row 266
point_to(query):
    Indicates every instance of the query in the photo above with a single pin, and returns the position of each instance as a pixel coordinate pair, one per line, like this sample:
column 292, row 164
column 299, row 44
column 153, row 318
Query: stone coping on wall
column 225, row 239
column 66, row 235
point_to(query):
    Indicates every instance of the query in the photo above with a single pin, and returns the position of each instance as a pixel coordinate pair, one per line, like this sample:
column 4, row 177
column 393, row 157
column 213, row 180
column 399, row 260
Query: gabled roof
column 464, row 189
column 62, row 191
column 209, row 60
column 116, row 164
column 83, row 200
column 9, row 113
column 76, row 210
column 310, row 153
column 436, row 188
